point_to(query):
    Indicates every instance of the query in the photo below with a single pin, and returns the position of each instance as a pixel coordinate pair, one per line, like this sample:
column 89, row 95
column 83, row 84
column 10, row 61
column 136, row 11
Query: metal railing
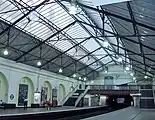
column 69, row 95
column 82, row 95
column 114, row 87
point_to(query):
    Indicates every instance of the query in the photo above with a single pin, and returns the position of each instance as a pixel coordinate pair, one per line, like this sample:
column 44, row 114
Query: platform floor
column 130, row 113
column 20, row 111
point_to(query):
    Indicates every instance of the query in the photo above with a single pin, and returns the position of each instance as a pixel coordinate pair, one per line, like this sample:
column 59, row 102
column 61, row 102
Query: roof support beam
column 11, row 25
column 96, row 69
column 64, row 7
column 117, row 16
column 136, row 30
column 92, row 63
column 42, row 42
column 83, row 57
column 133, row 53
column 64, row 52
column 124, row 38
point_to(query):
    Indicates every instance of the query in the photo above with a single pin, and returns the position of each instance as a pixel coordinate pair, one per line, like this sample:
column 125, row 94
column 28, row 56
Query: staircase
column 79, row 101
column 72, row 99
column 69, row 95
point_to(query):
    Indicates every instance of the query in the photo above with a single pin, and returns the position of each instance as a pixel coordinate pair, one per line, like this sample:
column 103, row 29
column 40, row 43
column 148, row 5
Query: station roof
column 83, row 43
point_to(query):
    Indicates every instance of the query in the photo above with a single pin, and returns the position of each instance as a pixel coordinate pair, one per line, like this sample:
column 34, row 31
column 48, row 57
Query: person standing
column 25, row 103
column 49, row 104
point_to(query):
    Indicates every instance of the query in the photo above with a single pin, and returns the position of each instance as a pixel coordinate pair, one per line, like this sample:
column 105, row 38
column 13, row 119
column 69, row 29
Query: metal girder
column 64, row 7
column 95, row 38
column 42, row 42
column 132, row 18
column 82, row 57
column 131, row 58
column 117, row 16
column 124, row 38
column 11, row 25
column 136, row 30
column 64, row 52
column 92, row 63
column 96, row 69
column 67, row 36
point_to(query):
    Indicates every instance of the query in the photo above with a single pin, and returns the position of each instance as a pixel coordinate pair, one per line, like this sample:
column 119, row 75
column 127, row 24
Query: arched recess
column 3, row 88
column 25, row 89
column 62, row 92
column 46, row 91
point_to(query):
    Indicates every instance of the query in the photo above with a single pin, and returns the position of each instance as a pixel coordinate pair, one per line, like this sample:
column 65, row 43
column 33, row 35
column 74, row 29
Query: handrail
column 82, row 95
column 113, row 87
column 69, row 95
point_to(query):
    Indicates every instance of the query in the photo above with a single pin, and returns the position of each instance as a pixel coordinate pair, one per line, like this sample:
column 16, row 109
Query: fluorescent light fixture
column 79, row 78
column 119, row 59
column 145, row 76
column 39, row 63
column 74, row 75
column 60, row 70
column 141, row 16
column 85, row 79
column 134, row 78
column 131, row 74
column 127, row 68
column 142, row 39
column 72, row 10
column 105, row 44
column 92, row 81
column 145, row 31
column 136, row 94
column 6, row 52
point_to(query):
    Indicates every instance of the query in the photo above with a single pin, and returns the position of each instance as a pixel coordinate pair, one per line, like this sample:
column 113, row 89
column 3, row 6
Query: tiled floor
column 129, row 113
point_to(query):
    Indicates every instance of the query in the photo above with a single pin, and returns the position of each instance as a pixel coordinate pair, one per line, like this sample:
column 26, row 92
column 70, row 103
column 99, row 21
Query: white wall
column 117, row 71
column 14, row 72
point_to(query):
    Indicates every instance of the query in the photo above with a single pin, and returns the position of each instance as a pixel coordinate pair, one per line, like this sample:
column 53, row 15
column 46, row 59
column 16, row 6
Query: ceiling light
column 72, row 10
column 119, row 59
column 149, row 69
column 85, row 79
column 106, row 71
column 134, row 78
column 39, row 63
column 141, row 16
column 145, row 77
column 142, row 39
column 145, row 32
column 60, row 70
column 79, row 78
column 92, row 81
column 127, row 68
column 131, row 74
column 105, row 44
column 74, row 75
column 6, row 52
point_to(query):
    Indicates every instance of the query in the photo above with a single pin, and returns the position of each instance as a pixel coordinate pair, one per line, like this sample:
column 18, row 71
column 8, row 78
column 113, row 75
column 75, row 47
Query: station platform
column 130, row 113
column 56, row 113
column 21, row 111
